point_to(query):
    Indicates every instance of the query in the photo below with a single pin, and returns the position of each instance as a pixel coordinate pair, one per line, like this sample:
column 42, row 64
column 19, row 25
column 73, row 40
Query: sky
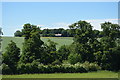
column 56, row 14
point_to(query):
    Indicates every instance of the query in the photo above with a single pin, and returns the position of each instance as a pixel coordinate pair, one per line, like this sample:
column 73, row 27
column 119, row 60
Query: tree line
column 91, row 50
column 48, row 33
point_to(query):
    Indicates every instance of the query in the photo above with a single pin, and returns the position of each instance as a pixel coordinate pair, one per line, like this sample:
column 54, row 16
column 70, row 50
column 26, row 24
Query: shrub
column 56, row 62
column 79, row 68
column 91, row 66
column 21, row 68
column 74, row 58
column 28, row 68
column 63, row 68
column 6, row 69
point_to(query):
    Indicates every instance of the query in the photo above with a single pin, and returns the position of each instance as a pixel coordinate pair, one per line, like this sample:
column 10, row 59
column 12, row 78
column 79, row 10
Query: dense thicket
column 91, row 50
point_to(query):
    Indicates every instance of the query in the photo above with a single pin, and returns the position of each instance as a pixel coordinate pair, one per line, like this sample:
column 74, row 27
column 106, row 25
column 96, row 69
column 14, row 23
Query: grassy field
column 99, row 74
column 19, row 40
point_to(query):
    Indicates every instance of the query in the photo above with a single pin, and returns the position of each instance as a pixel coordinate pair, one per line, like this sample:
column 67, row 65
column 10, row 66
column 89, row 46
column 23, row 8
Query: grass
column 19, row 40
column 99, row 74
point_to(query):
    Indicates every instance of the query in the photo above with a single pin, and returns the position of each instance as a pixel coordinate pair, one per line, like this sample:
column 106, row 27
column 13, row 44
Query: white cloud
column 56, row 25
column 40, row 25
column 61, row 25
column 96, row 23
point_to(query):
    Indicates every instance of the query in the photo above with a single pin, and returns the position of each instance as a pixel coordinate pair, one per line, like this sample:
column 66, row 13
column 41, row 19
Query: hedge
column 31, row 68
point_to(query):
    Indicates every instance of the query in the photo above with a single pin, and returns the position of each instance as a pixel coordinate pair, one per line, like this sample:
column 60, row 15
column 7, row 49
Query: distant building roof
column 58, row 34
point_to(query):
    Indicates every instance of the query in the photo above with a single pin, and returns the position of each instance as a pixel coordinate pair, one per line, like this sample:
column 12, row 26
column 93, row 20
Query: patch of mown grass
column 98, row 74
column 19, row 40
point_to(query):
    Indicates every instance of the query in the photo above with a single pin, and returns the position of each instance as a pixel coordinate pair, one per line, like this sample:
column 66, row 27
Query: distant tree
column 64, row 33
column 69, row 33
column 18, row 33
column 45, row 31
column 60, row 30
column 11, row 56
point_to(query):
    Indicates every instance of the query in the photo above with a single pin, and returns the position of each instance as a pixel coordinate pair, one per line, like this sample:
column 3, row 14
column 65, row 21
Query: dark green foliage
column 52, row 32
column 63, row 52
column 110, row 46
column 18, row 33
column 49, row 54
column 44, row 33
column 82, row 30
column 91, row 50
column 11, row 56
column 56, row 62
column 84, row 40
column 64, row 33
column 115, row 60
column 32, row 49
column 63, row 68
column 74, row 58
column 28, row 67
column 96, row 33
column 1, row 33
column 6, row 69
column 29, row 29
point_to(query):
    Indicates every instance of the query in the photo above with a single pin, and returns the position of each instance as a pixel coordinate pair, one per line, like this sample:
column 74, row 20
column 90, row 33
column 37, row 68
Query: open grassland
column 99, row 74
column 19, row 40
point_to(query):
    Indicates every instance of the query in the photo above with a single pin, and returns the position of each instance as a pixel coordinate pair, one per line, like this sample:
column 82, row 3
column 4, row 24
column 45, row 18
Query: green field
column 99, row 74
column 19, row 40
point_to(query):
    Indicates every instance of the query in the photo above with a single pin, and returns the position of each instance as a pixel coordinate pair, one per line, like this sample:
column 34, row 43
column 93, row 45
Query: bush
column 74, row 58
column 79, row 68
column 63, row 68
column 21, row 68
column 68, row 68
column 28, row 68
column 91, row 66
column 6, row 69
column 56, row 62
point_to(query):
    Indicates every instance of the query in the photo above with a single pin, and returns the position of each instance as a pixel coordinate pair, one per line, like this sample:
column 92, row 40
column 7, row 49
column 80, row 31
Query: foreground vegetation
column 91, row 50
column 99, row 74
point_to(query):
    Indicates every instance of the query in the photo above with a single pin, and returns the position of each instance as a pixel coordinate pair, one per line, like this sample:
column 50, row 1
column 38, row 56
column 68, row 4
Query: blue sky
column 55, row 14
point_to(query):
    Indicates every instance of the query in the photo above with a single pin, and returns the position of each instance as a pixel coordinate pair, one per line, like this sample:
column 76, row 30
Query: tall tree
column 110, row 44
column 11, row 56
column 82, row 30
column 28, row 29
column 32, row 47
column 83, row 39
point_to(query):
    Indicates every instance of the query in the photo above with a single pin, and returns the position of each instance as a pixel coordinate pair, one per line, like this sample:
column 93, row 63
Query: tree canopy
column 91, row 50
